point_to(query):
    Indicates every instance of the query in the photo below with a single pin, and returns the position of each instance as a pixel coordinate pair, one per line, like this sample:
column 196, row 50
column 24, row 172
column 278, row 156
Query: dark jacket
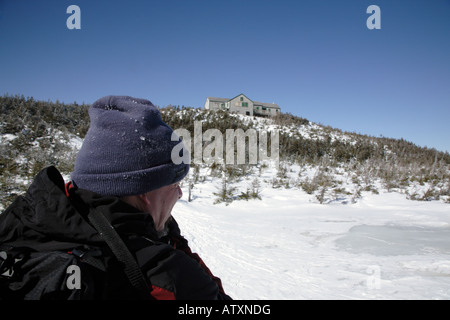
column 51, row 216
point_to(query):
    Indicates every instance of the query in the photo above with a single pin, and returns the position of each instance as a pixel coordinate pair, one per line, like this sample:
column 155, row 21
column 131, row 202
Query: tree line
column 35, row 134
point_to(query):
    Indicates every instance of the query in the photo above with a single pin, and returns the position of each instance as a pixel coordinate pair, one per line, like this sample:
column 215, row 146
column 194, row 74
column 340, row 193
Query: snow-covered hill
column 321, row 230
column 331, row 165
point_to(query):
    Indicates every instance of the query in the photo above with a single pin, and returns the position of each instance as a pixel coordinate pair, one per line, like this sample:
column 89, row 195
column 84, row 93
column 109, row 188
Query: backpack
column 27, row 274
column 84, row 272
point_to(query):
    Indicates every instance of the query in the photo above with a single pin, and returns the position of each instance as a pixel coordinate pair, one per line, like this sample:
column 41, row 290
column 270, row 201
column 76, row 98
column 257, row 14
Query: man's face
column 160, row 203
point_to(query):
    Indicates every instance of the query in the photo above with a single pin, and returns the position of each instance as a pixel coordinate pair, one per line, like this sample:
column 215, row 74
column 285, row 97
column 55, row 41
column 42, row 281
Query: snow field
column 286, row 247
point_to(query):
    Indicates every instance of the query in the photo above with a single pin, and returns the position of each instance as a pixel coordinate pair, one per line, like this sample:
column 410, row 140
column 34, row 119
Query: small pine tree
column 256, row 189
column 226, row 191
column 190, row 182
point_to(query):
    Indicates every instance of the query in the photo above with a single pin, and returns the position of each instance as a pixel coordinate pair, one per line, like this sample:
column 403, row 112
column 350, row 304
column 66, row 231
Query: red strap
column 162, row 294
column 67, row 188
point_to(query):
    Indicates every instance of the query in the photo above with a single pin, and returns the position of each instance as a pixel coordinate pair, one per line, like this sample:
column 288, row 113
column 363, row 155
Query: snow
column 4, row 138
column 285, row 246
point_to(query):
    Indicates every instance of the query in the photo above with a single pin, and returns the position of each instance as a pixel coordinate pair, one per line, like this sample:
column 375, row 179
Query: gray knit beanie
column 127, row 149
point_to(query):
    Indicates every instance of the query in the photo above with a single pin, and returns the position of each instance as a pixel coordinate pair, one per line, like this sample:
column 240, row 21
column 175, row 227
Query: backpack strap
column 120, row 250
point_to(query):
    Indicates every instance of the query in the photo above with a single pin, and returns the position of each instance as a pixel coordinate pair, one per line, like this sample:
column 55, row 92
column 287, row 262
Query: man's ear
column 144, row 199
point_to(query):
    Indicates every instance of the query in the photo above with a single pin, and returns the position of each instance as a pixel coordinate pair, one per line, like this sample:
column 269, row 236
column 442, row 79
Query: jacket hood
column 47, row 218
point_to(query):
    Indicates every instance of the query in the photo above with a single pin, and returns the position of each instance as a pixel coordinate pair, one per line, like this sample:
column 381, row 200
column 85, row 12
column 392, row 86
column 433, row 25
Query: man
column 123, row 172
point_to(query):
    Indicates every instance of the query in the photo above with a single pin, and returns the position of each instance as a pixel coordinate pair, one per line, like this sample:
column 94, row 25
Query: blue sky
column 315, row 58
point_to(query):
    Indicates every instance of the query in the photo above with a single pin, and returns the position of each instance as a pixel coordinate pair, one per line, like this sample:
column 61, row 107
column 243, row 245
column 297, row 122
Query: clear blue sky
column 315, row 58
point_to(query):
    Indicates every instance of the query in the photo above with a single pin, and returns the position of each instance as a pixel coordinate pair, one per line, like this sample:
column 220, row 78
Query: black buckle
column 10, row 258
column 6, row 265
